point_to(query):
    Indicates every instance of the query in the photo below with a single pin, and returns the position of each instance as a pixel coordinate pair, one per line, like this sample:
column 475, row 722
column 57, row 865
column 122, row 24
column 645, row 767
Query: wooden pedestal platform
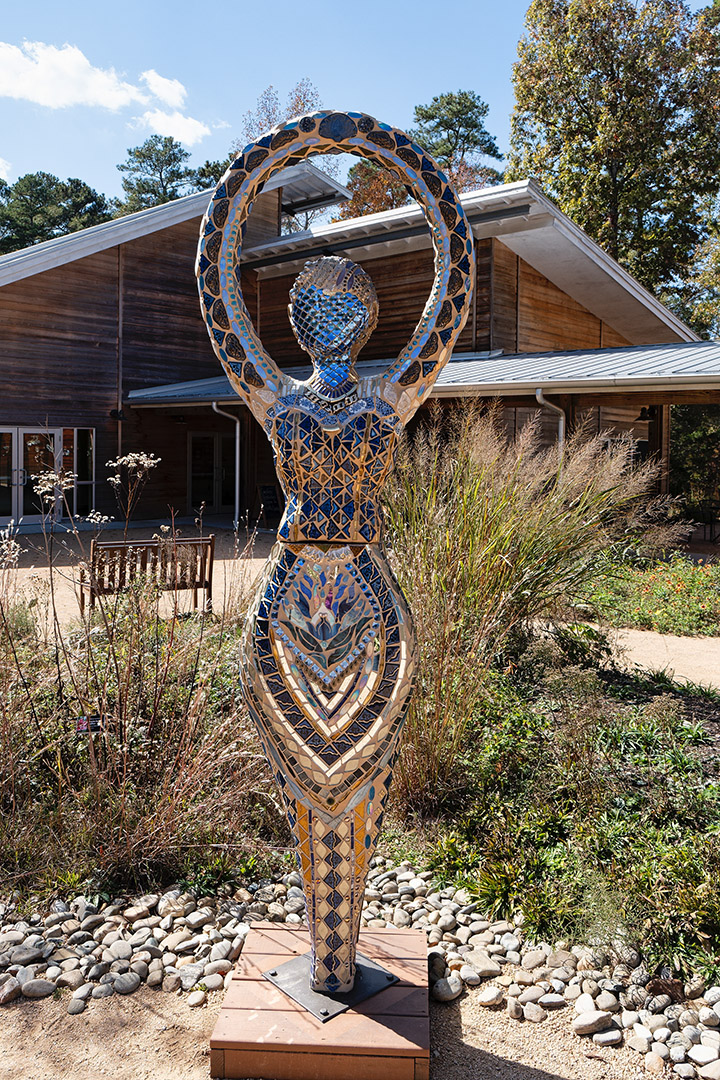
column 263, row 1034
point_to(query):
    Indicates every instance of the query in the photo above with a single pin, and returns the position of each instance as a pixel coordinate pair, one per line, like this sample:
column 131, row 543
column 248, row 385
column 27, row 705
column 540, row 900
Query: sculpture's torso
column 331, row 462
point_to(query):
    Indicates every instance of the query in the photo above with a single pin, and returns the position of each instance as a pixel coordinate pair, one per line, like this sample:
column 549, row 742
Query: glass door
column 202, row 472
column 38, row 452
column 8, row 478
column 212, row 472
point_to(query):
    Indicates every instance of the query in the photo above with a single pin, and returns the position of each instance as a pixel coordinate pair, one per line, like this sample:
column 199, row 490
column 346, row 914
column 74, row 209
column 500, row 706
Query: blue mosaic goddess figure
column 329, row 651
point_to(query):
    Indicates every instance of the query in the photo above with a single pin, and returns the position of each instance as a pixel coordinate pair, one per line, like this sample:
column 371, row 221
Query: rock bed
column 179, row 942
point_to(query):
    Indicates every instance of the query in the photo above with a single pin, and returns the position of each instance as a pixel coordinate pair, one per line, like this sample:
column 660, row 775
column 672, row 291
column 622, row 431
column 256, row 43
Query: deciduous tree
column 373, row 189
column 617, row 117
column 268, row 113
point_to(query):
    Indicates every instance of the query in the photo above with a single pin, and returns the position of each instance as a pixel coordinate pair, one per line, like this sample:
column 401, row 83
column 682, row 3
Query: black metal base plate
column 293, row 978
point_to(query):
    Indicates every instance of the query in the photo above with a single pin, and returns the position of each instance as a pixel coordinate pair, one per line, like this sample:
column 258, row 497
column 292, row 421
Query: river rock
column 76, row 1006
column 589, row 1022
column 10, row 990
column 533, row 959
column 25, row 954
column 448, row 989
column 171, row 942
column 700, row 1054
column 489, row 995
column 126, row 983
column 514, row 1008
column 534, row 1012
column 37, row 988
column 121, row 950
column 190, row 974
column 483, row 963
column 654, row 1064
column 73, row 979
column 611, row 1037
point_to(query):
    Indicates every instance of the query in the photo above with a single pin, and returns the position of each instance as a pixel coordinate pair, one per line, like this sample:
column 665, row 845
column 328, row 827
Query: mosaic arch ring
column 237, row 345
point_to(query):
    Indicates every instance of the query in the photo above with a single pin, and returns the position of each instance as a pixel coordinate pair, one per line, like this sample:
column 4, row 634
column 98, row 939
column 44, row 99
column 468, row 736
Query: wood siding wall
column 75, row 340
column 530, row 314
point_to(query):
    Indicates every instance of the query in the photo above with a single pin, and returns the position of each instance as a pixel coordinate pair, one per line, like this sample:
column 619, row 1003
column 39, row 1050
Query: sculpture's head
column 333, row 309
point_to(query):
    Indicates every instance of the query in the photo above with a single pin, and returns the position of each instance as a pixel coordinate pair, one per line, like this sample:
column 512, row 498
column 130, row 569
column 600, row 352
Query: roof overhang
column 524, row 220
column 643, row 369
column 518, row 214
column 304, row 187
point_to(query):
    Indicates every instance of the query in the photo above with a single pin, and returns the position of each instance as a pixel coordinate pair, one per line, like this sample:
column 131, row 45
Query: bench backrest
column 182, row 563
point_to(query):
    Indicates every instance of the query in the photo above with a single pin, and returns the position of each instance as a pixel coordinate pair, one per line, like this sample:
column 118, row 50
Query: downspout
column 236, row 421
column 541, row 400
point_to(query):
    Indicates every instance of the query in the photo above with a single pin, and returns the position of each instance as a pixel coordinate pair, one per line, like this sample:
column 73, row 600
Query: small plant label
column 93, row 722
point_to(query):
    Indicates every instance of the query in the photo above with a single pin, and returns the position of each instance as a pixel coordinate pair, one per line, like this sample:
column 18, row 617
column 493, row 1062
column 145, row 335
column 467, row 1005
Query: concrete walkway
column 685, row 659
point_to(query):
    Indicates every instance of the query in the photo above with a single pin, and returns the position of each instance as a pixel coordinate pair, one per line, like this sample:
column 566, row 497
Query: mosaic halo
column 232, row 334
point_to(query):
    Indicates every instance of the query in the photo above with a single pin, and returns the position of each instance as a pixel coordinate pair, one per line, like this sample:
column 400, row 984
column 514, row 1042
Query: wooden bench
column 171, row 565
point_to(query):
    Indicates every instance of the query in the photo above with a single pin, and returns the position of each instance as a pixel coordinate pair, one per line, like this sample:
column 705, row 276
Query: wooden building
column 103, row 350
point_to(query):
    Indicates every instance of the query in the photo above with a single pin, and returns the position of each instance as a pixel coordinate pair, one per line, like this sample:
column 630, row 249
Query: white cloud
column 183, row 128
column 57, row 77
column 170, row 91
column 5, row 169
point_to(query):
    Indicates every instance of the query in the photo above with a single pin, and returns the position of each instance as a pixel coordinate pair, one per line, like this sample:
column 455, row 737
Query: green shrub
column 595, row 815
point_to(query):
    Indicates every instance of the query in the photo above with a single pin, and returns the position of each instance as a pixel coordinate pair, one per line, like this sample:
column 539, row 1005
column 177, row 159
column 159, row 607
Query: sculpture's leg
column 334, row 858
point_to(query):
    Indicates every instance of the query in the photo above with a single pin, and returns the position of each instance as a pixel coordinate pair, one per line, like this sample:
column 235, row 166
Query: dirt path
column 156, row 1036
column 686, row 659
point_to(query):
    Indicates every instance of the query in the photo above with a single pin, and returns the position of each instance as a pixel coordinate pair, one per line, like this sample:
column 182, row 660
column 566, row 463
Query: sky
column 82, row 82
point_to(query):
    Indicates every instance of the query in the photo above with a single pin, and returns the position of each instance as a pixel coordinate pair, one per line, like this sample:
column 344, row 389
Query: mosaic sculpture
column 329, row 651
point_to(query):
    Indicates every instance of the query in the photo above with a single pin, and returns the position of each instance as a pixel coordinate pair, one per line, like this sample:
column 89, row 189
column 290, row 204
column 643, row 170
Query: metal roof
column 304, row 187
column 678, row 366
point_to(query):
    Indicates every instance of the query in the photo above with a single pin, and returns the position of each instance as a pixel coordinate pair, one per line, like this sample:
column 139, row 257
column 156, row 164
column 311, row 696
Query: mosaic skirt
column 328, row 662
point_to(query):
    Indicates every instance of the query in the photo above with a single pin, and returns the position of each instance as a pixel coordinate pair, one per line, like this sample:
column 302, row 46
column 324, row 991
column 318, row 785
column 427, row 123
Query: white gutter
column 541, row 400
column 236, row 421
column 588, row 386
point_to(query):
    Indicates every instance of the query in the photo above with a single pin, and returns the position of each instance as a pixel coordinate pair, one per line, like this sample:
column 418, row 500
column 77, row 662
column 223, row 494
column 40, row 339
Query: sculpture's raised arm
column 252, row 372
